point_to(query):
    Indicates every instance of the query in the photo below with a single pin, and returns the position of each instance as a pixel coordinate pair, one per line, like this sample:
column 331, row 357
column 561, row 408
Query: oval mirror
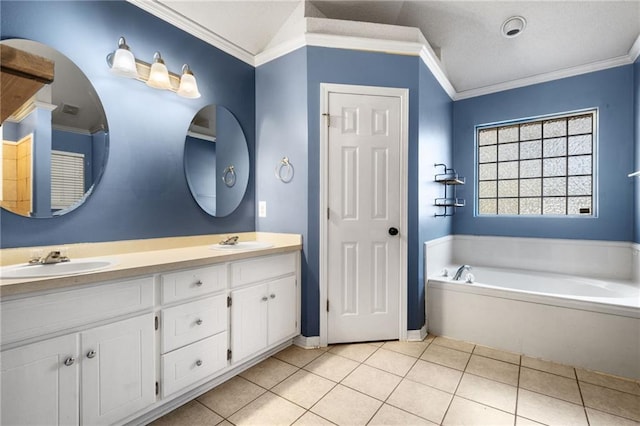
column 216, row 160
column 54, row 146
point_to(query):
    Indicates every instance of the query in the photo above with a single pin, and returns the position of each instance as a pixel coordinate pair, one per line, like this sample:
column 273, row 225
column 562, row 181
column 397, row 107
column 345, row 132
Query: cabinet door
column 248, row 321
column 37, row 387
column 282, row 309
column 118, row 370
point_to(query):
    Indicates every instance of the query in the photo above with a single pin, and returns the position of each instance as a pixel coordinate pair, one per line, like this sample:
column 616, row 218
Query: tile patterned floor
column 439, row 381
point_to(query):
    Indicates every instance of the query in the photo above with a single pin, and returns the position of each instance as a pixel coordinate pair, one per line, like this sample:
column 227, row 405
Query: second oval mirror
column 216, row 160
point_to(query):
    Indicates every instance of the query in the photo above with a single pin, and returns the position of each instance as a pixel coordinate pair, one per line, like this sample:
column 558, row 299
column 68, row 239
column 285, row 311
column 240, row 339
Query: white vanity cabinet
column 194, row 331
column 118, row 370
column 93, row 376
column 124, row 351
column 39, row 383
column 264, row 308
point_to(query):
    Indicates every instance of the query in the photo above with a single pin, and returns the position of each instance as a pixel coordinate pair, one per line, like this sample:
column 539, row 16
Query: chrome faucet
column 52, row 257
column 460, row 270
column 230, row 241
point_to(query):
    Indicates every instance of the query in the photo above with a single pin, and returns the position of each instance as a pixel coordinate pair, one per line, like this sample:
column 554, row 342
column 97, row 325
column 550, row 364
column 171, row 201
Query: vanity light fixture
column 123, row 63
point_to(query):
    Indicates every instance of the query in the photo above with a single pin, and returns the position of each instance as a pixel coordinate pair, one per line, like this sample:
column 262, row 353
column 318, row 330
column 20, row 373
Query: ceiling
column 561, row 37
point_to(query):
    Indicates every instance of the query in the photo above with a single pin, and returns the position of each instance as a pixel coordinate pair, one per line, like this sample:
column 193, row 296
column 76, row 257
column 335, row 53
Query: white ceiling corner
column 462, row 44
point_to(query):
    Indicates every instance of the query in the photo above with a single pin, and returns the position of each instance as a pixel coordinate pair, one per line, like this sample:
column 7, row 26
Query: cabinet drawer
column 192, row 283
column 44, row 314
column 262, row 268
column 192, row 363
column 193, row 321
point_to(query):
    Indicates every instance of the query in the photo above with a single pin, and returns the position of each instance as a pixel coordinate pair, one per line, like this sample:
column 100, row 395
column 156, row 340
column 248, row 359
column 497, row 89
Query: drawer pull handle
column 199, row 321
column 91, row 354
column 265, row 298
column 198, row 363
column 69, row 361
column 199, row 283
column 273, row 296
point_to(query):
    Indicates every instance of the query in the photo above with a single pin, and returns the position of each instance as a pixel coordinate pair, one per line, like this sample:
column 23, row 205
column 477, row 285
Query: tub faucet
column 460, row 270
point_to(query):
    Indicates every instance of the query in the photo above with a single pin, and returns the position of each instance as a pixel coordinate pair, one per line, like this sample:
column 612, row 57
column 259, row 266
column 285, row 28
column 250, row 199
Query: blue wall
column 143, row 193
column 636, row 94
column 609, row 91
column 435, row 129
column 288, row 123
column 281, row 131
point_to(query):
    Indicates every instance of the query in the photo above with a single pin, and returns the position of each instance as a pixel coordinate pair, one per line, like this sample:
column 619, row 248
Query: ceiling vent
column 70, row 109
column 513, row 26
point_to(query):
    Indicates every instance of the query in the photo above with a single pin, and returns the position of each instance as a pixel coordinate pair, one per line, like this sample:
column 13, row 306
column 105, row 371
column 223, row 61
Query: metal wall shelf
column 450, row 180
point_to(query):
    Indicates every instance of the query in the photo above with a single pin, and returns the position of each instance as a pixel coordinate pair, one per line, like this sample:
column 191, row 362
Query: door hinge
column 156, row 322
column 328, row 213
column 228, row 301
column 326, row 114
column 157, row 388
column 327, row 305
column 228, row 354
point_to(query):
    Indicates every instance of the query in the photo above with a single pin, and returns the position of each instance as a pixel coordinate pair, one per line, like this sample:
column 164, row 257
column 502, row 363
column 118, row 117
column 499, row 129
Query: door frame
column 403, row 94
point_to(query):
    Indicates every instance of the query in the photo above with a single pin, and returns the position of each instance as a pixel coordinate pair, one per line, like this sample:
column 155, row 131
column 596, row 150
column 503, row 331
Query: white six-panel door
column 364, row 197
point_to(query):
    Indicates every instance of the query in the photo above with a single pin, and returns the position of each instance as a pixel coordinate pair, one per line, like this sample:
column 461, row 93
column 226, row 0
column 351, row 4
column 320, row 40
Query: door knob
column 393, row 231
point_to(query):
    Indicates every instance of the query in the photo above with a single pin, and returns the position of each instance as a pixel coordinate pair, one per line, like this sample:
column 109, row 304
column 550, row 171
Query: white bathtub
column 590, row 323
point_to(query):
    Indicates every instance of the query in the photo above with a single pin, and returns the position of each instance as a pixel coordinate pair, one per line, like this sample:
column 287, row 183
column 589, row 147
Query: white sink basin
column 56, row 269
column 243, row 245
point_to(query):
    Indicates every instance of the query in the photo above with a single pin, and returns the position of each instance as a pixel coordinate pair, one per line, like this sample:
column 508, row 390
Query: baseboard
column 309, row 342
column 417, row 335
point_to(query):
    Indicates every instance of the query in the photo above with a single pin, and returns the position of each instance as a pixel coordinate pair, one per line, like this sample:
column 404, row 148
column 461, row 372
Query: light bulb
column 158, row 75
column 188, row 85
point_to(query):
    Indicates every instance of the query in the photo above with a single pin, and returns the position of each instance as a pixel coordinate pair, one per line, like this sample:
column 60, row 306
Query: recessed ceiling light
column 513, row 26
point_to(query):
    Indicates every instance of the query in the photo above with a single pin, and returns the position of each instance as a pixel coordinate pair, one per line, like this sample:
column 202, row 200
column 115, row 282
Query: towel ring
column 229, row 176
column 284, row 170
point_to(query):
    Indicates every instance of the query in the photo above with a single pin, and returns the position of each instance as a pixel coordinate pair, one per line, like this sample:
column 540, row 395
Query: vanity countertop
column 143, row 257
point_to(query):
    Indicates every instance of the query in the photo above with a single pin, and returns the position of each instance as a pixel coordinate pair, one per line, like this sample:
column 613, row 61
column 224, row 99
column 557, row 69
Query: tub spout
column 460, row 270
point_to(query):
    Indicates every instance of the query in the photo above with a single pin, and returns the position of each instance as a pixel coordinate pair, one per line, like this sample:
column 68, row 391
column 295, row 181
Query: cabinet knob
column 273, row 296
column 265, row 298
column 199, row 283
column 199, row 321
column 198, row 363
column 69, row 361
column 91, row 354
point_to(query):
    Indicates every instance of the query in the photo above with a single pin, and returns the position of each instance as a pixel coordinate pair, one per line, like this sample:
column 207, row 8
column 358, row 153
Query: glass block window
column 537, row 167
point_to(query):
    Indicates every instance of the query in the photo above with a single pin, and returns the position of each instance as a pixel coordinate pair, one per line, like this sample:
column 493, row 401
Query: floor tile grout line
column 515, row 418
column 444, row 416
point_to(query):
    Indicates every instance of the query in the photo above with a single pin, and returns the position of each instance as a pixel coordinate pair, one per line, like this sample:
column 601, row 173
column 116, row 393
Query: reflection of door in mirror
column 16, row 191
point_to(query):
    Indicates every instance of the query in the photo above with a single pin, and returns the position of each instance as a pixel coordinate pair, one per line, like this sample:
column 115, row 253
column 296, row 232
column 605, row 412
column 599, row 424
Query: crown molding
column 421, row 49
column 546, row 77
column 180, row 21
column 280, row 50
column 634, row 52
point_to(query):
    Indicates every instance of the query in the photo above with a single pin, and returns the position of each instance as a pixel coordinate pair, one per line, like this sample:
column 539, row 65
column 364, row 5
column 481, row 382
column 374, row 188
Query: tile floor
column 438, row 381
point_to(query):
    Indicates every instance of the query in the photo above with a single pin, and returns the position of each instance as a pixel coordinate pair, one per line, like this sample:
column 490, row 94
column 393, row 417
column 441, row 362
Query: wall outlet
column 262, row 209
